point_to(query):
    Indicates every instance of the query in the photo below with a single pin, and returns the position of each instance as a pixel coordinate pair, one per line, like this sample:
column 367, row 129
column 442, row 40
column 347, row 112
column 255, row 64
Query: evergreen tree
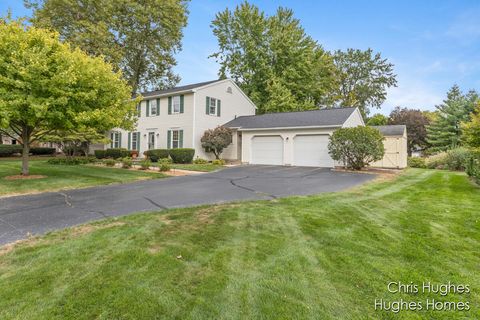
column 446, row 131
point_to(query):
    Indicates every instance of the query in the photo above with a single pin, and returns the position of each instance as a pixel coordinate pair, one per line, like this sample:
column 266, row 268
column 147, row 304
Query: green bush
column 100, row 154
column 164, row 167
column 457, row 159
column 37, row 151
column 145, row 164
column 72, row 161
column 200, row 161
column 117, row 153
column 218, row 162
column 110, row 162
column 183, row 155
column 416, row 162
column 472, row 168
column 8, row 150
column 437, row 161
column 155, row 154
column 356, row 147
column 165, row 161
column 127, row 163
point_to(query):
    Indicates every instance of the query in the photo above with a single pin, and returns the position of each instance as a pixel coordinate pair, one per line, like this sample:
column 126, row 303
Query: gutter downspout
column 194, row 114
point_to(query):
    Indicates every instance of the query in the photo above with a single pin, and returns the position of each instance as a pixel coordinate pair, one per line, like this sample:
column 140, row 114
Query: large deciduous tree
column 46, row 86
column 416, row 123
column 446, row 131
column 364, row 77
column 377, row 120
column 272, row 59
column 139, row 37
column 471, row 129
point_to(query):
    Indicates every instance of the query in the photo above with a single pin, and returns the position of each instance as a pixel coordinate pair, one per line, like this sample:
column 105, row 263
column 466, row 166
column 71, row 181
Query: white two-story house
column 178, row 117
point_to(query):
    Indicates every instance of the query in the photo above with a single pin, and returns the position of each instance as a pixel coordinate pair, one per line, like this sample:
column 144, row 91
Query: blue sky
column 433, row 44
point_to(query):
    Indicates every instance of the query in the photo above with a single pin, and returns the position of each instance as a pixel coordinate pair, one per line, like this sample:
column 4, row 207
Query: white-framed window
column 116, row 141
column 135, row 138
column 175, row 139
column 153, row 107
column 212, row 110
column 176, row 104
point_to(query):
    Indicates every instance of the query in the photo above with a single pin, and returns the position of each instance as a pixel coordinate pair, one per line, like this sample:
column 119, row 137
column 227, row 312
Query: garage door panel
column 267, row 150
column 312, row 151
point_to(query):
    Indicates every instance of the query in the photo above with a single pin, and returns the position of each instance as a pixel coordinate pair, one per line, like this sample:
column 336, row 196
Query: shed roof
column 392, row 130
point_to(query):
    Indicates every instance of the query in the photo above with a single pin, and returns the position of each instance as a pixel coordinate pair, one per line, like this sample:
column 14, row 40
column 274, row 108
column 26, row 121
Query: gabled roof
column 314, row 118
column 392, row 130
column 188, row 87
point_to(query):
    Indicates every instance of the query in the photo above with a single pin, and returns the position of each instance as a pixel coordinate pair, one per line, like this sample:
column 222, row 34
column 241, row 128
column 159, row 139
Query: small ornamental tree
column 215, row 140
column 46, row 87
column 356, row 147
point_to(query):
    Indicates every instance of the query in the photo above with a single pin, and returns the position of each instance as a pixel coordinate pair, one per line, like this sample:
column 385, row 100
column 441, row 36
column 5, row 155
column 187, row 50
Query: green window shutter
column 158, row 106
column 148, row 108
column 139, row 110
column 169, row 105
column 129, row 147
column 180, row 138
column 218, row 108
column 138, row 141
column 111, row 139
column 169, row 139
column 207, row 106
column 119, row 139
column 181, row 103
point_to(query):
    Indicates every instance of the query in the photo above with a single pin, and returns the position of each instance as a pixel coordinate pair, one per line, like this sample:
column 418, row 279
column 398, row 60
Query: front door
column 151, row 140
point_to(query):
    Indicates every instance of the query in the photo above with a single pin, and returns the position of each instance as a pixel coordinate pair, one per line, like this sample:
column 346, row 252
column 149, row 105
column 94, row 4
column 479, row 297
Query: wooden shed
column 395, row 144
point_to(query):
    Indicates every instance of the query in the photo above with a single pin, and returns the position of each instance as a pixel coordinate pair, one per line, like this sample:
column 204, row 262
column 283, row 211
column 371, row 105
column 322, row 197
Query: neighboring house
column 178, row 117
column 8, row 140
column 395, row 143
column 301, row 138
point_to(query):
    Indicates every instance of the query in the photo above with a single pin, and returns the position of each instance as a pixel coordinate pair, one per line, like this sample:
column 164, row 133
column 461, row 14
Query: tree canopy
column 471, row 129
column 272, row 59
column 139, row 38
column 215, row 140
column 416, row 123
column 377, row 120
column 445, row 132
column 363, row 77
column 46, row 86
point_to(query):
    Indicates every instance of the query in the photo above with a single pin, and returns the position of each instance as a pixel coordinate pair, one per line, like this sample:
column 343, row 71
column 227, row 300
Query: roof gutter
column 286, row 128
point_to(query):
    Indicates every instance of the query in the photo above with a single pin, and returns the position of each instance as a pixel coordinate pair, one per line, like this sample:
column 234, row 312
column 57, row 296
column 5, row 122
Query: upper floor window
column 176, row 104
column 229, row 90
column 154, row 106
column 213, row 106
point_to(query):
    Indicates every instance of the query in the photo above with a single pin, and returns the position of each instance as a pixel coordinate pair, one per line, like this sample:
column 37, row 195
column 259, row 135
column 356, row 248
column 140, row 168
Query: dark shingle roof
column 393, row 130
column 178, row 89
column 313, row 118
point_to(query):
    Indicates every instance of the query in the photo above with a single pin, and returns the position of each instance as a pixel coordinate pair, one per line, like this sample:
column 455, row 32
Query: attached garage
column 267, row 150
column 301, row 138
column 311, row 151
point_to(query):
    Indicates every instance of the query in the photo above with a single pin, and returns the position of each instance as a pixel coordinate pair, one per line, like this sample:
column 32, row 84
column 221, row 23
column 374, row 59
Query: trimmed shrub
column 166, row 161
column 472, row 168
column 127, row 163
column 37, row 151
column 8, row 150
column 356, row 147
column 182, row 155
column 117, row 153
column 164, row 167
column 155, row 154
column 416, row 162
column 134, row 153
column 218, row 162
column 110, row 162
column 72, row 161
column 100, row 154
column 145, row 164
column 200, row 161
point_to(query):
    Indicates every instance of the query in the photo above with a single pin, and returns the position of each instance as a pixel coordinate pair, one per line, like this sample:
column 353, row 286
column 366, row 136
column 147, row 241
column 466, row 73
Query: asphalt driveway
column 41, row 213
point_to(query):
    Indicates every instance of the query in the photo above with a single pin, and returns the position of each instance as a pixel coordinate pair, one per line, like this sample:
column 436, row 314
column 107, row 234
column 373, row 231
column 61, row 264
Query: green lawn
column 319, row 257
column 63, row 177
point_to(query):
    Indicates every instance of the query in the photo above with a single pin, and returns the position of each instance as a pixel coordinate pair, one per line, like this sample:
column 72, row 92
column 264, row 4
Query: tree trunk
column 25, row 154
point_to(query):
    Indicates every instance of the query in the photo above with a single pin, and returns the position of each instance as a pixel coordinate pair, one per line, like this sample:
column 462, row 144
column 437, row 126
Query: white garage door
column 312, row 151
column 267, row 150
